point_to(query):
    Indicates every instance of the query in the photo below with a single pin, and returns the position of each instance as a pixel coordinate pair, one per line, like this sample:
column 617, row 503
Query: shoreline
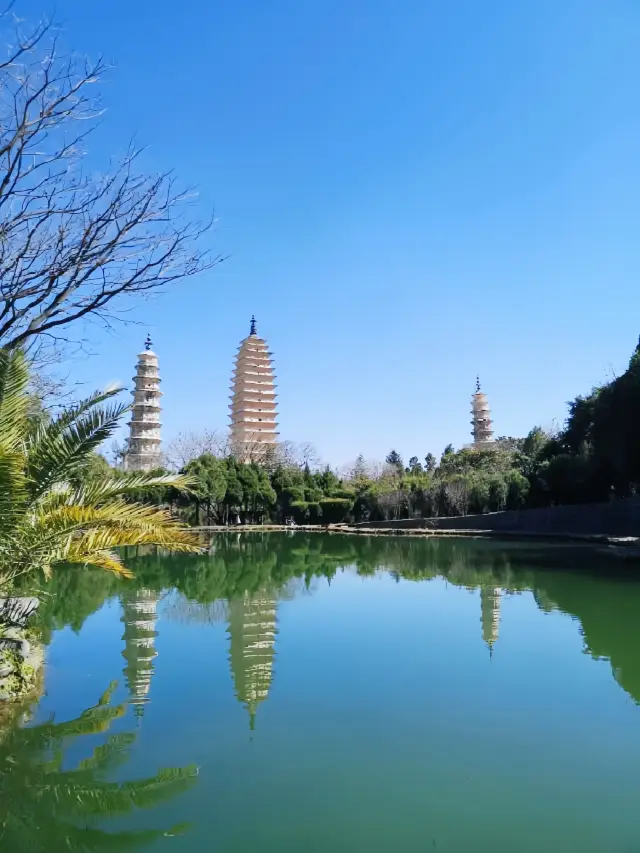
column 625, row 542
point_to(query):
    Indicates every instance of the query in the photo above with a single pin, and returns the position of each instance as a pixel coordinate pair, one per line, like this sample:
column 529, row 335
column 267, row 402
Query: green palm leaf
column 14, row 400
column 127, row 483
column 56, row 455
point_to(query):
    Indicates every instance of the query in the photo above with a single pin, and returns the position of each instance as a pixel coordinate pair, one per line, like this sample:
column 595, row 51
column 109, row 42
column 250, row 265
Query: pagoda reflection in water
column 490, row 614
column 252, row 633
column 139, row 615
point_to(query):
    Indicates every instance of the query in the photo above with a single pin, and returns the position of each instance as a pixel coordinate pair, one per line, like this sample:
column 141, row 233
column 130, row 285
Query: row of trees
column 595, row 457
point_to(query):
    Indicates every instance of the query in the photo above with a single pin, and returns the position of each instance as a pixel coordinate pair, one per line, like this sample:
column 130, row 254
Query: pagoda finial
column 477, row 384
column 148, row 343
column 253, row 326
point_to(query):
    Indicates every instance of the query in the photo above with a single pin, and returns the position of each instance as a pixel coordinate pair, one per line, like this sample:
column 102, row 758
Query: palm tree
column 49, row 513
column 46, row 805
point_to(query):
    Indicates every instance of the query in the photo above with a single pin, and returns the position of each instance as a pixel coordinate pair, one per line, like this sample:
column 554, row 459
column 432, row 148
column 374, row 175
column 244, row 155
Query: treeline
column 595, row 457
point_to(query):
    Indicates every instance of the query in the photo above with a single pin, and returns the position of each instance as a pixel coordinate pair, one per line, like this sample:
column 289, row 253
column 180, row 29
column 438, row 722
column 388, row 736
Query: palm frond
column 14, row 401
column 55, row 455
column 100, row 559
column 123, row 483
column 89, row 534
column 13, row 491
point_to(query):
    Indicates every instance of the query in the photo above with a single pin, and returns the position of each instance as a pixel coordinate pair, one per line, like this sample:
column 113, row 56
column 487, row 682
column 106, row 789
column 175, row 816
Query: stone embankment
column 623, row 546
column 21, row 656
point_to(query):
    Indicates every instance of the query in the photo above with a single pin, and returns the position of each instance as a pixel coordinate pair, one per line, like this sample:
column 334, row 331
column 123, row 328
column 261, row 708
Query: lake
column 294, row 692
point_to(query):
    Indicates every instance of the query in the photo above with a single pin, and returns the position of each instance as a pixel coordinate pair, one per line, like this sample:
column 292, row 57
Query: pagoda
column 482, row 425
column 143, row 452
column 253, row 399
column 252, row 635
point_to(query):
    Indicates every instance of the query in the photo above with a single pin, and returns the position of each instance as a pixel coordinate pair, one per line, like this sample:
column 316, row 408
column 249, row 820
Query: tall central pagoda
column 253, row 399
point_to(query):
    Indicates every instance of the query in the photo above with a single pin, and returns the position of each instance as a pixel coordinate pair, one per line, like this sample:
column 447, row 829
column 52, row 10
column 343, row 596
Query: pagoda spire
column 253, row 330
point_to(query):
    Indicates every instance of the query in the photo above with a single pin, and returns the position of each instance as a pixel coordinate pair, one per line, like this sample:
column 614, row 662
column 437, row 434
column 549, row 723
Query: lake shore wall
column 616, row 518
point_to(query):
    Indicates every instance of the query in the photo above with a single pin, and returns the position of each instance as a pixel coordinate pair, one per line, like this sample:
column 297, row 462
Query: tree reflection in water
column 580, row 581
column 46, row 805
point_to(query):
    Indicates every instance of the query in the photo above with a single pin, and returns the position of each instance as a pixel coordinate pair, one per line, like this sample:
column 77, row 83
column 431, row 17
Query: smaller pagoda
column 143, row 453
column 482, row 425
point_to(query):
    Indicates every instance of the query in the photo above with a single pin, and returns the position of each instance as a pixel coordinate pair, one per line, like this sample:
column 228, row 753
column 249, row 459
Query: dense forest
column 595, row 457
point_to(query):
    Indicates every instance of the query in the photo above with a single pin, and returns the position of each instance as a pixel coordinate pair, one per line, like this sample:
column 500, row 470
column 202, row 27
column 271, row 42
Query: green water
column 324, row 693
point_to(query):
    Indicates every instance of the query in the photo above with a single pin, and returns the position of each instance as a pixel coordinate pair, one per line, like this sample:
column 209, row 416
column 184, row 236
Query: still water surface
column 326, row 693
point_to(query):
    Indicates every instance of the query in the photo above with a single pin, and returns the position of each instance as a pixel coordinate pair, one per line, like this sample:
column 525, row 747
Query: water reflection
column 241, row 568
column 490, row 615
column 51, row 801
column 252, row 634
column 49, row 804
column 139, row 615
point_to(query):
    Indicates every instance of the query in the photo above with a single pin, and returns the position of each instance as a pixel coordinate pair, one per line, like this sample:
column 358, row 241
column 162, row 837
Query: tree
column 209, row 476
column 430, row 463
column 48, row 513
column 234, row 495
column 359, row 470
column 447, row 452
column 73, row 244
column 395, row 460
column 190, row 445
column 414, row 465
column 299, row 454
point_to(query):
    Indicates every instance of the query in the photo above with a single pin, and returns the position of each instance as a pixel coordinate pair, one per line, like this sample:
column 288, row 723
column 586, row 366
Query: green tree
column 395, row 460
column 210, row 480
column 414, row 466
column 430, row 463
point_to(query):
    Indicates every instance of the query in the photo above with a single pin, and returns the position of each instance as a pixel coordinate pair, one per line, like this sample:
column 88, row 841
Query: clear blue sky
column 410, row 193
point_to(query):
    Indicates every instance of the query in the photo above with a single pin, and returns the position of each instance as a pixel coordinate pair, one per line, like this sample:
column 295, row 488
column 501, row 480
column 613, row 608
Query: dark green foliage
column 335, row 510
column 395, row 460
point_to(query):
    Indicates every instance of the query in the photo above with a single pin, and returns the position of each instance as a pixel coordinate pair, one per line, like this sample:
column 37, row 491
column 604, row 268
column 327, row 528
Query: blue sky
column 409, row 193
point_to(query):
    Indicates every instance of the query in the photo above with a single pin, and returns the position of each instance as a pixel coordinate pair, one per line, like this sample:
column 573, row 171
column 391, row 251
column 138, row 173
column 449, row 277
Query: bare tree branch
column 72, row 244
column 189, row 445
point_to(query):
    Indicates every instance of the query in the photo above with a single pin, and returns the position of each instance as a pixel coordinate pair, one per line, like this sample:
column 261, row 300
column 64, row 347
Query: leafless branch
column 72, row 243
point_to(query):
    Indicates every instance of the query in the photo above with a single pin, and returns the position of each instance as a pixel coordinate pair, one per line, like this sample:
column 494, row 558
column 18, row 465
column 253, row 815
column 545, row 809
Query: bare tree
column 71, row 243
column 299, row 454
column 457, row 493
column 191, row 444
